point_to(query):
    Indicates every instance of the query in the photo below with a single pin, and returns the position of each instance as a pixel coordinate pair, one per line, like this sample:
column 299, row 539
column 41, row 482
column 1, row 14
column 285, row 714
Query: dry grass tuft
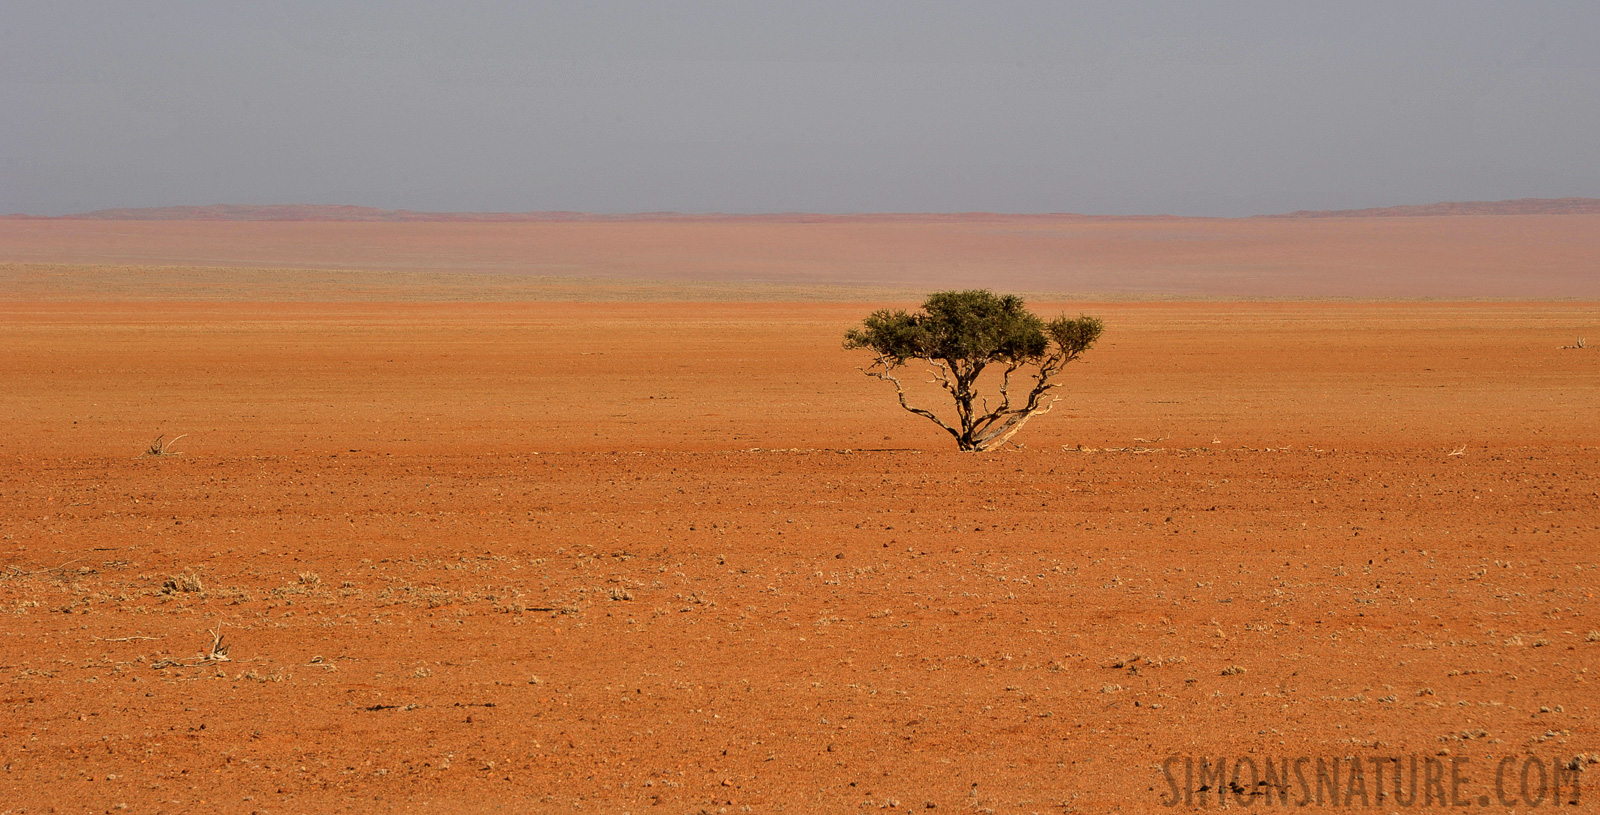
column 182, row 583
column 218, row 651
column 163, row 448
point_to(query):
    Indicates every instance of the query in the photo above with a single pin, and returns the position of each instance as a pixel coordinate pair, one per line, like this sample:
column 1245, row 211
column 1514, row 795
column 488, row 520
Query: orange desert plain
column 597, row 516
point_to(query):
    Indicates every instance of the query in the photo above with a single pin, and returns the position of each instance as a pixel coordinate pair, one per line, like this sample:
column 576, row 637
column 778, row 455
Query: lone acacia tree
column 962, row 333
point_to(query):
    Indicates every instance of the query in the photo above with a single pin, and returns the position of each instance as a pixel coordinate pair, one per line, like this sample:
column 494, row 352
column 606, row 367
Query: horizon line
column 357, row 213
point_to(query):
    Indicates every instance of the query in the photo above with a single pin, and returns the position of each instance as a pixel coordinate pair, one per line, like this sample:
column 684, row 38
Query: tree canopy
column 962, row 333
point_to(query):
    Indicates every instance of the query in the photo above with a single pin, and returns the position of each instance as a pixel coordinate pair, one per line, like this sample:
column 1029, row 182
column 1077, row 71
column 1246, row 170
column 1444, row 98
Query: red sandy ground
column 675, row 557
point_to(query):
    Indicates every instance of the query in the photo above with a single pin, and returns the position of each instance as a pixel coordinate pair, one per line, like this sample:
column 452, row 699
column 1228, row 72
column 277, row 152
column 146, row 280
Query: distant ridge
column 313, row 212
column 1517, row 206
column 341, row 213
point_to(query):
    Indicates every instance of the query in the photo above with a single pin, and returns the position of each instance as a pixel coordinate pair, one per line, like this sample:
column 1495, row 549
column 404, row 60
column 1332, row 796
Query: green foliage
column 955, row 326
column 1075, row 336
column 961, row 333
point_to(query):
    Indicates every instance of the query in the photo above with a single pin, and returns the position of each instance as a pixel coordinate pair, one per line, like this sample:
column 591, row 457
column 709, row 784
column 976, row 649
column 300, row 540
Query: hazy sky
column 1204, row 108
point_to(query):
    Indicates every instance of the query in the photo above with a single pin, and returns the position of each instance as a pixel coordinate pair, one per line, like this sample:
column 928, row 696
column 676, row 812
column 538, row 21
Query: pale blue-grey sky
column 1200, row 108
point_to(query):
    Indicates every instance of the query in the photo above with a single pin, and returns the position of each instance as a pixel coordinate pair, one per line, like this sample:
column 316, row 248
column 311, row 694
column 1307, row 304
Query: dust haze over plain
column 1219, row 109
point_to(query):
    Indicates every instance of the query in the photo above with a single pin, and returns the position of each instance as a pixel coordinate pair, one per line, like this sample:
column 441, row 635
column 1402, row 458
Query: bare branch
column 900, row 392
column 941, row 376
column 981, row 423
column 1004, row 432
column 991, row 428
